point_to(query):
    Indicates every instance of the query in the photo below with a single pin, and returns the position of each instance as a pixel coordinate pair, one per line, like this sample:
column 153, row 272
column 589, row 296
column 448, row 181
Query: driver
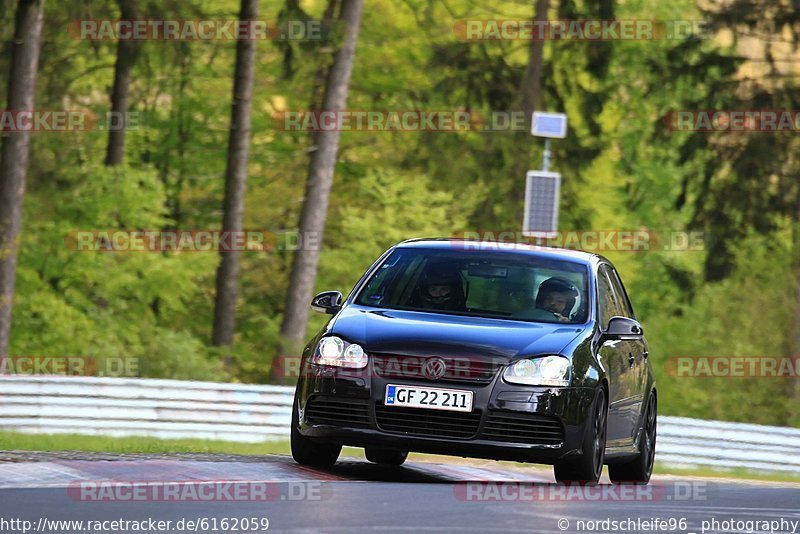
column 557, row 296
column 441, row 289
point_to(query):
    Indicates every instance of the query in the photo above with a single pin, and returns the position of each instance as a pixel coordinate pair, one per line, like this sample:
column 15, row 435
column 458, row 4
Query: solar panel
column 544, row 124
column 542, row 191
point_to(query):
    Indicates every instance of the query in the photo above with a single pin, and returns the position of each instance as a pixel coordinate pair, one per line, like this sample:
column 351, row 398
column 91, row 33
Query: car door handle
column 646, row 354
column 631, row 359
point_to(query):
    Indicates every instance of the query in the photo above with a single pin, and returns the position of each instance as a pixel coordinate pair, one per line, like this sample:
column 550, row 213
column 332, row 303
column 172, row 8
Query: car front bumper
column 508, row 422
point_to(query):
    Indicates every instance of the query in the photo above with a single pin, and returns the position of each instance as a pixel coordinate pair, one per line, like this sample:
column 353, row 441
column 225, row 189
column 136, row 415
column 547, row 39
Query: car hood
column 413, row 333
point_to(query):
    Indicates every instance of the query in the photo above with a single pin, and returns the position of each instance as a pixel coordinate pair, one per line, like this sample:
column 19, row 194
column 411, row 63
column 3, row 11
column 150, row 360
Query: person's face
column 555, row 302
column 439, row 291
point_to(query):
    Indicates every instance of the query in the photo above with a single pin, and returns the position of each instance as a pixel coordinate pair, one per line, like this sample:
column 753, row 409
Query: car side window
column 621, row 296
column 606, row 305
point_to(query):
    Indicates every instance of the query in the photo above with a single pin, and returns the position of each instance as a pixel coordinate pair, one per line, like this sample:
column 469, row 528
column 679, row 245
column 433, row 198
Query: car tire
column 588, row 468
column 639, row 470
column 386, row 456
column 308, row 452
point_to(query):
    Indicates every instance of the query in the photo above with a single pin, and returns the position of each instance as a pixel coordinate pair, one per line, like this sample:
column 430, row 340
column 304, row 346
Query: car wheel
column 308, row 452
column 639, row 469
column 587, row 469
column 386, row 456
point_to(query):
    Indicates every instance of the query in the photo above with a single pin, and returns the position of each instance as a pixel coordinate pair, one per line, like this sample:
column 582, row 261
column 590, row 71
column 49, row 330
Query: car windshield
column 497, row 285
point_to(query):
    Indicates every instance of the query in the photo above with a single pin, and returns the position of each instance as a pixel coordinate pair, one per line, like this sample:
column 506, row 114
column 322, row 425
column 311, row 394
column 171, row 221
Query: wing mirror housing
column 329, row 302
column 623, row 328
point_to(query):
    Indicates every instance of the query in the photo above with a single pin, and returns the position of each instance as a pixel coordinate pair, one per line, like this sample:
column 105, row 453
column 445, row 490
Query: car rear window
column 487, row 284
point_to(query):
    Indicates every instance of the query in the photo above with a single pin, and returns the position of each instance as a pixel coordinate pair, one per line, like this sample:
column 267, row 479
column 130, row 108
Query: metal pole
column 546, row 155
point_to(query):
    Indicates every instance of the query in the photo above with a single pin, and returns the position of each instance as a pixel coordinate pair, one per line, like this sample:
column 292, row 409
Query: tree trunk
column 318, row 188
column 530, row 89
column 322, row 68
column 794, row 335
column 235, row 181
column 15, row 152
column 529, row 97
column 126, row 57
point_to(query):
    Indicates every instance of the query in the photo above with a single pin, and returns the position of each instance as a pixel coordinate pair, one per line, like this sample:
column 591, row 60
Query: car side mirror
column 329, row 302
column 622, row 327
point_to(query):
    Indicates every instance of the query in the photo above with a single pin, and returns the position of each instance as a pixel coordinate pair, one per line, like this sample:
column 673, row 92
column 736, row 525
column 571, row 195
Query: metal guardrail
column 696, row 442
column 142, row 407
column 255, row 413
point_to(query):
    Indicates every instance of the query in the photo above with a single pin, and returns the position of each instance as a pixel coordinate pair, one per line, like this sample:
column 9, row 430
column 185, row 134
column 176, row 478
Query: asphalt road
column 356, row 496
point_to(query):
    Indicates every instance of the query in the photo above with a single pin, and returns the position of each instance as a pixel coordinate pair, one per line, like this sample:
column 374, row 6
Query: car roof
column 447, row 243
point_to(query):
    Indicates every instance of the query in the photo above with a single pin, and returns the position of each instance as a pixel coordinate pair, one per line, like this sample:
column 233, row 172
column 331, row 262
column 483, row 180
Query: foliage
column 72, row 301
column 747, row 314
column 623, row 170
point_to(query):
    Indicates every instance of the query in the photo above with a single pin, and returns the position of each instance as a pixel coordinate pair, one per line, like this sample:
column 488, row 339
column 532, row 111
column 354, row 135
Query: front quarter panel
column 587, row 371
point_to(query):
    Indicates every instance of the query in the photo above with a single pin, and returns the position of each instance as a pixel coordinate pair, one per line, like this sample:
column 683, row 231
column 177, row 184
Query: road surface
column 195, row 493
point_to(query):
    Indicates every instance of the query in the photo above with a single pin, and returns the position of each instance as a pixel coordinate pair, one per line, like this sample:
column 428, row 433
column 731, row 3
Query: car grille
column 337, row 411
column 421, row 422
column 523, row 428
column 457, row 369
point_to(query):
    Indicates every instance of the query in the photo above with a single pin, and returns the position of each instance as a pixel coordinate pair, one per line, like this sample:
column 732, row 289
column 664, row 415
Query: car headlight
column 336, row 352
column 541, row 371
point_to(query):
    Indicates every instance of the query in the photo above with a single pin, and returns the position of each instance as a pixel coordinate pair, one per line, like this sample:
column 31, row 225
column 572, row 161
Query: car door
column 613, row 355
column 638, row 353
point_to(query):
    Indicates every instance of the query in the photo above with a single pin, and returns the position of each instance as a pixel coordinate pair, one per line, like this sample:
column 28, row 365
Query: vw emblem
column 434, row 369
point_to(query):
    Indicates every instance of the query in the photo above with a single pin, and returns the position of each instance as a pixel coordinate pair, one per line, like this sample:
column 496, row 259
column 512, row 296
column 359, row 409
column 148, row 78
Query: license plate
column 456, row 400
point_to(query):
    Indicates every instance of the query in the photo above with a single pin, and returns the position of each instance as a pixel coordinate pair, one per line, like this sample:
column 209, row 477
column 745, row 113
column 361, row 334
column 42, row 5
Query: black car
column 486, row 350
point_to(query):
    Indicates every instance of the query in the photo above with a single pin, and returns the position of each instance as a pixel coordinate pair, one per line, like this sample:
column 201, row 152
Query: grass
column 738, row 473
column 76, row 442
